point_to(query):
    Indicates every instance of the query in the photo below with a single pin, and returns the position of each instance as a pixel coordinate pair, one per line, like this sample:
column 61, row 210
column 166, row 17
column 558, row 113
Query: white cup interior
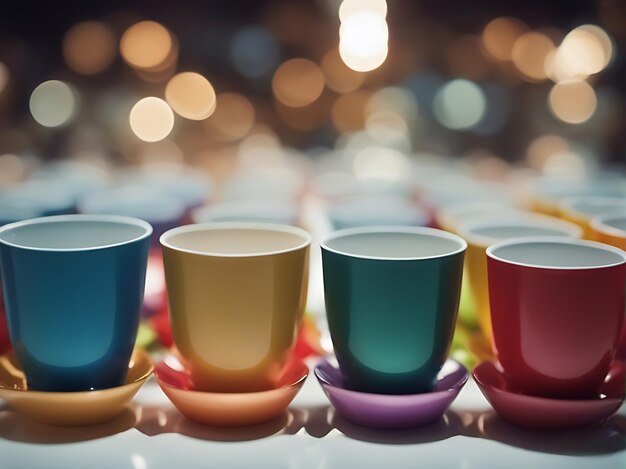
column 236, row 239
column 394, row 243
column 74, row 232
column 491, row 230
column 619, row 223
column 557, row 253
column 595, row 205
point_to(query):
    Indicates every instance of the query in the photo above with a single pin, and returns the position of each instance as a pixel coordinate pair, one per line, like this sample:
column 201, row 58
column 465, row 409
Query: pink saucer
column 228, row 409
column 550, row 414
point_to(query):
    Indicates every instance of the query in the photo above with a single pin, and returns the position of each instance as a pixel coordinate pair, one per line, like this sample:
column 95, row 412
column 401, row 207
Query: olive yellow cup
column 581, row 210
column 480, row 234
column 236, row 293
column 610, row 229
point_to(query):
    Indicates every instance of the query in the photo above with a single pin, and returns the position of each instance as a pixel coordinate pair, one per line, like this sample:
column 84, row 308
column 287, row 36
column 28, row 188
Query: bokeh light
column 572, row 101
column 254, row 51
column 381, row 163
column 53, row 103
column 338, row 76
column 500, row 35
column 529, row 54
column 146, row 45
column 151, row 119
column 393, row 99
column 460, row 104
column 363, row 40
column 89, row 47
column 350, row 7
column 584, row 51
column 298, row 82
column 542, row 148
column 190, row 95
column 233, row 117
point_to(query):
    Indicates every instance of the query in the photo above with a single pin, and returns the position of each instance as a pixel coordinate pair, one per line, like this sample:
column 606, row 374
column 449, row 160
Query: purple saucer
column 392, row 411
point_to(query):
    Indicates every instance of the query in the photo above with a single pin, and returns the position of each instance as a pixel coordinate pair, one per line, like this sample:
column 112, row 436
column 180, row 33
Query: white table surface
column 152, row 434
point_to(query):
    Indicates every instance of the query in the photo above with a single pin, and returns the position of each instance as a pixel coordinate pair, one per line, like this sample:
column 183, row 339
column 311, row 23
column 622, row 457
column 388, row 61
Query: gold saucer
column 72, row 408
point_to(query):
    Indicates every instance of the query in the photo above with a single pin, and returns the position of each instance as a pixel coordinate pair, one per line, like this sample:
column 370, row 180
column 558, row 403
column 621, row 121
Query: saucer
column 542, row 413
column 72, row 408
column 392, row 411
column 228, row 409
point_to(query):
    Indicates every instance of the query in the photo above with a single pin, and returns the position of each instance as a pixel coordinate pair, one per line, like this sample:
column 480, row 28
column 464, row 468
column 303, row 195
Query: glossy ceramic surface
column 610, row 229
column 581, row 210
column 540, row 413
column 389, row 411
column 72, row 408
column 73, row 287
column 5, row 340
column 480, row 234
column 392, row 296
column 557, row 307
column 236, row 295
column 228, row 409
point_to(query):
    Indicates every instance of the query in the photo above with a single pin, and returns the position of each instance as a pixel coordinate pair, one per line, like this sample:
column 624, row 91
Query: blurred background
column 519, row 82
column 322, row 113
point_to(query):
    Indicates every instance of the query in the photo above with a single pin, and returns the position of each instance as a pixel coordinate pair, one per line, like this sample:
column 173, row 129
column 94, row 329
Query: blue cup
column 73, row 287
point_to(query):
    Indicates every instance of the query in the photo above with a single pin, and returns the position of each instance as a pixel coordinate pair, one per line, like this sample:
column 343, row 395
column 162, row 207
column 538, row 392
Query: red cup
column 557, row 308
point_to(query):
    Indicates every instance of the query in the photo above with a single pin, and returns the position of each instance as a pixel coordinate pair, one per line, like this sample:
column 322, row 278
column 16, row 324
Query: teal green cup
column 392, row 296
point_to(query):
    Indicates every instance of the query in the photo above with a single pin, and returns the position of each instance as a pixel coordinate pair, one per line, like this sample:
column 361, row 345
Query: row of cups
column 73, row 288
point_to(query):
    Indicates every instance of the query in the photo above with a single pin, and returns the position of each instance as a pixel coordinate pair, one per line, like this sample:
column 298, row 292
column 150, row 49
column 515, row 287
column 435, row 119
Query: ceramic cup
column 557, row 308
column 581, row 210
column 236, row 293
column 361, row 211
column 610, row 229
column 482, row 233
column 392, row 295
column 73, row 287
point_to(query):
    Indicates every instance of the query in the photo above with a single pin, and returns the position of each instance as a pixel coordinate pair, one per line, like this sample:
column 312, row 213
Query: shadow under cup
column 73, row 287
column 237, row 293
column 557, row 308
column 392, row 295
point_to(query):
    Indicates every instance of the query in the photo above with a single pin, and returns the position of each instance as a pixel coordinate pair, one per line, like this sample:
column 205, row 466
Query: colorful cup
column 361, row 211
column 581, row 210
column 279, row 211
column 73, row 287
column 480, row 234
column 236, row 292
column 557, row 309
column 610, row 229
column 392, row 295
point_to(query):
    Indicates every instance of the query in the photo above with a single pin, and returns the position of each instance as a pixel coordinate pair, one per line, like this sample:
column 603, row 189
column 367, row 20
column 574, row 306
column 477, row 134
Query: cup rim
column 555, row 240
column 285, row 207
column 270, row 227
column 420, row 230
column 568, row 205
column 600, row 224
column 537, row 221
column 78, row 217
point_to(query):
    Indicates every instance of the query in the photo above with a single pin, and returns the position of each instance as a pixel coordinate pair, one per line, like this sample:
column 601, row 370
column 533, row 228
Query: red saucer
column 542, row 413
